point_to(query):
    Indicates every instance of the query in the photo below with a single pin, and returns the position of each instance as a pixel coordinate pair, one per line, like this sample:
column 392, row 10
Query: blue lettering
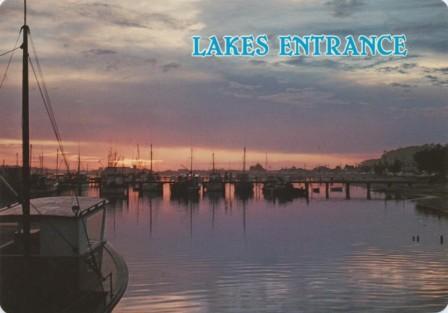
column 380, row 45
column 247, row 46
column 400, row 45
column 368, row 42
column 231, row 49
column 350, row 47
column 333, row 44
column 317, row 39
column 301, row 45
column 214, row 48
column 285, row 46
column 196, row 47
column 263, row 46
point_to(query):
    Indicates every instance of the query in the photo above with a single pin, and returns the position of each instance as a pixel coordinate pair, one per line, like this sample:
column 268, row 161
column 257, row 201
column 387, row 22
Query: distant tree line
column 394, row 167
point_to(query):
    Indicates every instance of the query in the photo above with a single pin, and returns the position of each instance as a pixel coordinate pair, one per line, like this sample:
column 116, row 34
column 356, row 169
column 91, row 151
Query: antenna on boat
column 25, row 138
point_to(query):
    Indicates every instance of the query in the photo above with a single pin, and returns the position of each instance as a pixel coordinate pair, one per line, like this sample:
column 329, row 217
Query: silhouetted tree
column 395, row 167
column 433, row 160
column 379, row 168
column 257, row 168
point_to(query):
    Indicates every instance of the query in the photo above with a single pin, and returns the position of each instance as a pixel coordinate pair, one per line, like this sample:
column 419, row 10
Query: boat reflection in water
column 221, row 254
column 69, row 267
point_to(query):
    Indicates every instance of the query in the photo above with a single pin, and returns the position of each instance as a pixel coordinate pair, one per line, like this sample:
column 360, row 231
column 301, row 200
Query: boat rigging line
column 12, row 52
column 43, row 90
column 16, row 194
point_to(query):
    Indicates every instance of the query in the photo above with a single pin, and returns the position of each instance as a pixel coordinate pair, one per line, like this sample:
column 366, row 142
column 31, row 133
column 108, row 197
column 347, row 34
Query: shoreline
column 429, row 198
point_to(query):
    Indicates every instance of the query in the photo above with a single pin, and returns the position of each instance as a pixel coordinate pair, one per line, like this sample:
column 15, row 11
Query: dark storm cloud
column 402, row 68
column 121, row 15
column 99, row 52
column 170, row 66
column 437, row 80
column 400, row 85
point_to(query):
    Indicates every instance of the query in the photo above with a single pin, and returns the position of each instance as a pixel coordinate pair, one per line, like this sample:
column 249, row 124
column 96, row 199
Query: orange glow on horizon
column 94, row 155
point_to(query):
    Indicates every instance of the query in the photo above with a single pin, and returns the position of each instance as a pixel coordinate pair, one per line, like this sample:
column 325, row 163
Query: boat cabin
column 61, row 226
column 70, row 264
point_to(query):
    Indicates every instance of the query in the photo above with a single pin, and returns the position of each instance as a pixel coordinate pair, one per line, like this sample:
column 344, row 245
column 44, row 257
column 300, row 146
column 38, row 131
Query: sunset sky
column 121, row 74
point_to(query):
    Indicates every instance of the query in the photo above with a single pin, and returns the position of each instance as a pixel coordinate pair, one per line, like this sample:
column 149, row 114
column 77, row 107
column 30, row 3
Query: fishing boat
column 62, row 263
column 187, row 185
column 54, row 257
column 150, row 182
column 42, row 185
column 113, row 182
column 279, row 187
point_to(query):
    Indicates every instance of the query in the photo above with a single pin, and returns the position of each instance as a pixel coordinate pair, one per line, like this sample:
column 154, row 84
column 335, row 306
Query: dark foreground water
column 226, row 255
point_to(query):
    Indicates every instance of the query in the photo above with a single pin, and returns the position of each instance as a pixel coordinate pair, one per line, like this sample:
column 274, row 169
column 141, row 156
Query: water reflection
column 224, row 253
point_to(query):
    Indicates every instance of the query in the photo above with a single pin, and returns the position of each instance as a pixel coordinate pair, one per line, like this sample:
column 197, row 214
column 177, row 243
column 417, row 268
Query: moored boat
column 243, row 185
column 215, row 182
column 69, row 266
column 53, row 254
column 188, row 185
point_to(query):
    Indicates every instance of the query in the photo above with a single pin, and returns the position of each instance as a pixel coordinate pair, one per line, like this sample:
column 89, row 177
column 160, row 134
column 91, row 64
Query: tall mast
column 42, row 163
column 213, row 162
column 138, row 156
column 244, row 159
column 191, row 161
column 79, row 159
column 25, row 139
column 151, row 159
column 31, row 157
column 57, row 161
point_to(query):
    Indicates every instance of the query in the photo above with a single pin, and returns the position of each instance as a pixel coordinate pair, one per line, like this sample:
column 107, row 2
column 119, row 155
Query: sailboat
column 215, row 183
column 150, row 181
column 54, row 257
column 243, row 185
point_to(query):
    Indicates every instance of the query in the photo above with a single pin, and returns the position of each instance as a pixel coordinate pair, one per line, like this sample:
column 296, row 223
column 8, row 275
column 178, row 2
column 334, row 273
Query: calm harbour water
column 226, row 255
